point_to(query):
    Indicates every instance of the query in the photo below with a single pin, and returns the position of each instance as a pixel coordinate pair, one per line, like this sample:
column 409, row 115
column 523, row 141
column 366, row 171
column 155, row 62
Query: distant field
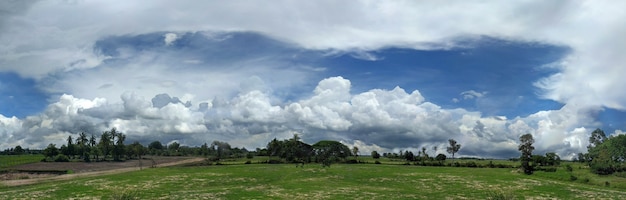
column 340, row 181
column 7, row 161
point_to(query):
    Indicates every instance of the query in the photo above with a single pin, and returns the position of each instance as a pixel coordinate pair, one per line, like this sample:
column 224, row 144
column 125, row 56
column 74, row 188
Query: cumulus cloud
column 381, row 120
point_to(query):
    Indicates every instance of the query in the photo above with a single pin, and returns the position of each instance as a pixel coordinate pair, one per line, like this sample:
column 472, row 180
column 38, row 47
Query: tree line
column 605, row 155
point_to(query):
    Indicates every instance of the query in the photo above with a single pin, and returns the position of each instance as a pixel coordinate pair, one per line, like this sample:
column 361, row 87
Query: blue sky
column 388, row 80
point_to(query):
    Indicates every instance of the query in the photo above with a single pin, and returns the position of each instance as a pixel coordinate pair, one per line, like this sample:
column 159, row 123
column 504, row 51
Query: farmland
column 340, row 181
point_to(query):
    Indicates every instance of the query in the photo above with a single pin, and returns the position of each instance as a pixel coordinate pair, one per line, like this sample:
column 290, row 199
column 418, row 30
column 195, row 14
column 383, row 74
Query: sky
column 380, row 75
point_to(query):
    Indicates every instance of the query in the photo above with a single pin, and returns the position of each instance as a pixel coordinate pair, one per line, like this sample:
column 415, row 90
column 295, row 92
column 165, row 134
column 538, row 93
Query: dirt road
column 91, row 174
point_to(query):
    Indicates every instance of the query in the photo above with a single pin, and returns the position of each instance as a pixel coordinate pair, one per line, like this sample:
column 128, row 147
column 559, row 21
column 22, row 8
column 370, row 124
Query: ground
column 25, row 175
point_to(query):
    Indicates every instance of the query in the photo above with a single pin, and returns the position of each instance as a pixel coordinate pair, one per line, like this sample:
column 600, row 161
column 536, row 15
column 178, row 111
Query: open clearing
column 284, row 181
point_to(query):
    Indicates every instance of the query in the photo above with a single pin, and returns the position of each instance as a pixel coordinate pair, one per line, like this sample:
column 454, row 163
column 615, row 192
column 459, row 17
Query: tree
column 222, row 149
column 607, row 156
column 526, row 148
column 453, row 148
column 174, row 147
column 552, row 159
column 274, row 148
column 440, row 157
column 105, row 144
column 18, row 150
column 355, row 152
column 424, row 154
column 597, row 137
column 155, row 147
column 71, row 148
column 51, row 151
column 409, row 156
column 83, row 146
column 137, row 150
column 328, row 151
column 375, row 155
column 117, row 139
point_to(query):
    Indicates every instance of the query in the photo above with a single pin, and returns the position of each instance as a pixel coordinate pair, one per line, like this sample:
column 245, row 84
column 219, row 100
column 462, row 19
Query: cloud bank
column 383, row 120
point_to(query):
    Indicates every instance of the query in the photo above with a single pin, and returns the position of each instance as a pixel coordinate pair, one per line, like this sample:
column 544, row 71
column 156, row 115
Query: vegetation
column 526, row 147
column 342, row 181
column 7, row 161
column 453, row 148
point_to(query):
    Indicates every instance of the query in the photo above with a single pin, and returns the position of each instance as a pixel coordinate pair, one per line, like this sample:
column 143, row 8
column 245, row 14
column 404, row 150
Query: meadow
column 340, row 181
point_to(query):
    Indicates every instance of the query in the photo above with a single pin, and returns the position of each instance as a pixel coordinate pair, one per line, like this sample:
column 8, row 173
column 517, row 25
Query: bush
column 274, row 162
column 61, row 158
column 352, row 161
column 377, row 162
column 621, row 174
column 550, row 169
column 472, row 164
column 586, row 180
column 607, row 184
column 248, row 162
column 602, row 168
column 573, row 178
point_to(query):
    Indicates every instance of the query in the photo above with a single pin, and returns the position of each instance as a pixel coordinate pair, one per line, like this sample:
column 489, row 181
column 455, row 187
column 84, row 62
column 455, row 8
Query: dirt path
column 92, row 174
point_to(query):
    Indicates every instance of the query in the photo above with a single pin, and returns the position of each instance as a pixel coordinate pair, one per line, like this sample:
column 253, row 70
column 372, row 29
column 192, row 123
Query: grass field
column 7, row 161
column 341, row 181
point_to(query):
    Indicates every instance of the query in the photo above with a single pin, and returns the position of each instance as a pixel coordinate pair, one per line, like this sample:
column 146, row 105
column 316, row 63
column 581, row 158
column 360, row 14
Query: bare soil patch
column 82, row 169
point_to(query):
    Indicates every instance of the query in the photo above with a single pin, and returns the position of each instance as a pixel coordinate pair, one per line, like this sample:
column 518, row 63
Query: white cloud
column 471, row 94
column 381, row 120
column 170, row 38
column 47, row 37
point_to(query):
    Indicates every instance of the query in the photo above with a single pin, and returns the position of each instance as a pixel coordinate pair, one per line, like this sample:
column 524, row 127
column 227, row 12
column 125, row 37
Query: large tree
column 327, row 151
column 526, row 148
column 453, row 148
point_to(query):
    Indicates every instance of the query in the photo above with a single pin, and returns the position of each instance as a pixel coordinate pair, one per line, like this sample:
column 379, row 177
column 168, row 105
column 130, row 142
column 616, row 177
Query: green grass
column 340, row 181
column 7, row 161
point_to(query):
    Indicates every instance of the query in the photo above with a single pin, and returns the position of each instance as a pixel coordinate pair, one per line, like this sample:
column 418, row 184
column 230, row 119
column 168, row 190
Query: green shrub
column 352, row 161
column 621, row 174
column 586, row 180
column 377, row 162
column 573, row 178
column 607, row 184
column 248, row 162
column 550, row 169
column 274, row 162
column 61, row 158
column 471, row 164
